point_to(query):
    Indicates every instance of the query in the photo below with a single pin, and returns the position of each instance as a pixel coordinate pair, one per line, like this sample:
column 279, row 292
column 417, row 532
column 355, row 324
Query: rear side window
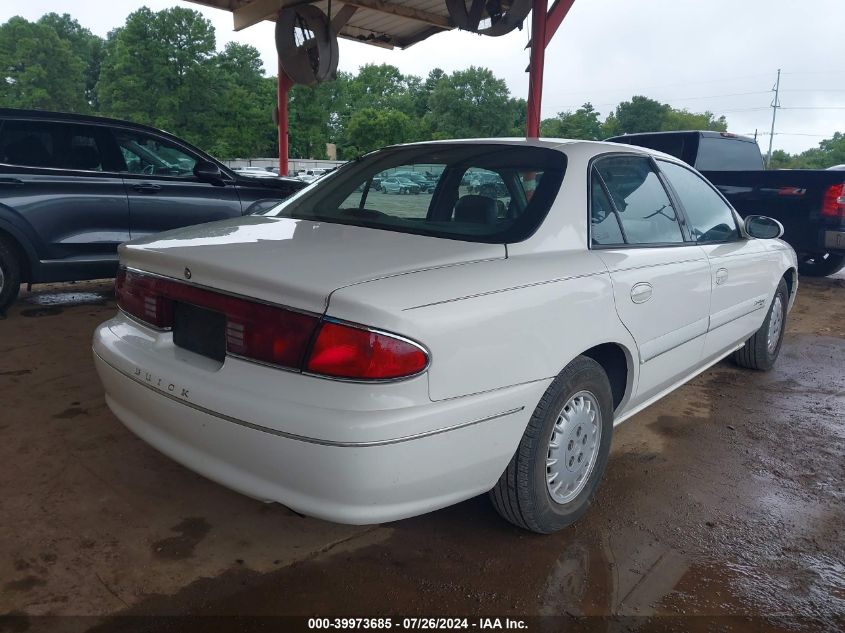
column 604, row 221
column 28, row 143
column 50, row 144
column 480, row 193
column 643, row 206
column 710, row 218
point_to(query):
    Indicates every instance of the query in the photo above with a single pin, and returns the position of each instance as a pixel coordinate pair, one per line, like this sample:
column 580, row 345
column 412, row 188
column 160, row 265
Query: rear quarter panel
column 497, row 323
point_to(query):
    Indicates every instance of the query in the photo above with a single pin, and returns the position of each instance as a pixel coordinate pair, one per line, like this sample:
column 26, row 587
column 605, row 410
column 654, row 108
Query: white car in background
column 364, row 364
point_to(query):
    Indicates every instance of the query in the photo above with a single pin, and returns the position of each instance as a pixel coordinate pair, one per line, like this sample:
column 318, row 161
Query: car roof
column 51, row 115
column 568, row 146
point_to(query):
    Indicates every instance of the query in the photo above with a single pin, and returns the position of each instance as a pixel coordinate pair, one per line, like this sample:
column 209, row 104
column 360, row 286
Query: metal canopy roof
column 385, row 23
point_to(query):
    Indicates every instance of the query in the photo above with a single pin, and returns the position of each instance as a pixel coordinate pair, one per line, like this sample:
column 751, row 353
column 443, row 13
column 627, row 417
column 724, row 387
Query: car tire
column 574, row 417
column 10, row 274
column 762, row 349
column 821, row 264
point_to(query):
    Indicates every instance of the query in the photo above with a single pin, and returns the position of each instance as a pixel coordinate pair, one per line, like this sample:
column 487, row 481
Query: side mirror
column 209, row 172
column 763, row 228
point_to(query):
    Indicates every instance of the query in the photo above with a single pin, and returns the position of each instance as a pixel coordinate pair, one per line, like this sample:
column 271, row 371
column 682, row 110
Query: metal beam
column 535, row 68
column 342, row 17
column 402, row 11
column 259, row 10
column 555, row 16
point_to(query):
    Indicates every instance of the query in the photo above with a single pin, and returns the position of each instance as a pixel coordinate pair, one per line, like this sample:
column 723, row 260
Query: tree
column 158, row 69
column 38, row 69
column 685, row 120
column 85, row 45
column 583, row 124
column 640, row 114
column 470, row 103
column 371, row 129
column 830, row 152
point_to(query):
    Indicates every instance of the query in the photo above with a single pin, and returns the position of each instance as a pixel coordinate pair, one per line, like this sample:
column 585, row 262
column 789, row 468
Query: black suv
column 73, row 187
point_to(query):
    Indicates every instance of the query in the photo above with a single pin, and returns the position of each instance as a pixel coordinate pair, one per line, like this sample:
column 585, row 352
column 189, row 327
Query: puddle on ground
column 66, row 299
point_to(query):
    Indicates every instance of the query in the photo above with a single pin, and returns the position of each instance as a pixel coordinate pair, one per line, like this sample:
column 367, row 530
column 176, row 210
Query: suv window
column 709, row 216
column 154, row 156
column 642, row 203
column 474, row 192
column 52, row 144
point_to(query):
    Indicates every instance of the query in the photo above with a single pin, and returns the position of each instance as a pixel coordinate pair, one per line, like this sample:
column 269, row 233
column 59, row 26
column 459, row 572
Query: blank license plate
column 200, row 330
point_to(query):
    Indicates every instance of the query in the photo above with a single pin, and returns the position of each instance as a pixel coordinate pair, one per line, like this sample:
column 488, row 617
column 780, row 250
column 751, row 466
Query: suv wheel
column 821, row 264
column 10, row 274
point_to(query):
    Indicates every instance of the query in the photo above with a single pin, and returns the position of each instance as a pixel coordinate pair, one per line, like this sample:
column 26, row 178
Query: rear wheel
column 10, row 274
column 821, row 264
column 761, row 350
column 554, row 473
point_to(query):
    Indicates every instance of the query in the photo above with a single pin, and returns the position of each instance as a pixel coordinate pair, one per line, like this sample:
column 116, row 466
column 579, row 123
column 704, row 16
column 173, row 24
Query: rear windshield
column 716, row 153
column 493, row 193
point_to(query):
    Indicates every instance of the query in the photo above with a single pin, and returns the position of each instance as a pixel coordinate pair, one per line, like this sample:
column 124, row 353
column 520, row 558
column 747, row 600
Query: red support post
column 535, row 68
column 282, row 99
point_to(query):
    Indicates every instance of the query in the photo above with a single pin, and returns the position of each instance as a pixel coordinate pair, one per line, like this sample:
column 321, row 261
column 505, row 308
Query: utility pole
column 775, row 106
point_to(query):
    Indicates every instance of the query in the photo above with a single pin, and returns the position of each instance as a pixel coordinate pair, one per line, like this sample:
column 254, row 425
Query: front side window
column 153, row 156
column 644, row 207
column 481, row 193
column 709, row 216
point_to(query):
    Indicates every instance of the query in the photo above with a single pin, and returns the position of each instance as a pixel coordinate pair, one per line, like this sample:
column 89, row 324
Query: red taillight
column 833, row 204
column 142, row 297
column 275, row 335
column 255, row 330
column 350, row 352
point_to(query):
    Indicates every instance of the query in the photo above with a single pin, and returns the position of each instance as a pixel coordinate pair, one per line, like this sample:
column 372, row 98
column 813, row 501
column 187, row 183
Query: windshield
column 493, row 193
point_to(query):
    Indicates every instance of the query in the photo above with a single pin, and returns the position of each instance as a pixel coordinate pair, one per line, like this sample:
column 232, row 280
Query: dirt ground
column 721, row 509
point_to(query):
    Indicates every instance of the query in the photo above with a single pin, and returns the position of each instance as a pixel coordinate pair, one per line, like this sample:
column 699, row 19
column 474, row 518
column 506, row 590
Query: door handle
column 721, row 276
column 641, row 292
column 11, row 182
column 146, row 187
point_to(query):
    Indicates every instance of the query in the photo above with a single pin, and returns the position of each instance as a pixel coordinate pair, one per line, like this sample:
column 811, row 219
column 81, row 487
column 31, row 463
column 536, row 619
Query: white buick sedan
column 362, row 357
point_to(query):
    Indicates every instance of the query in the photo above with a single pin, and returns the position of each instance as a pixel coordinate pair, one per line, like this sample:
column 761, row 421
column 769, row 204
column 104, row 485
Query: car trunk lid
column 292, row 262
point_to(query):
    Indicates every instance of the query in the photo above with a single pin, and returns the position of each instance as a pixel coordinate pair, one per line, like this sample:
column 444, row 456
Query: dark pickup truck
column 809, row 203
column 73, row 187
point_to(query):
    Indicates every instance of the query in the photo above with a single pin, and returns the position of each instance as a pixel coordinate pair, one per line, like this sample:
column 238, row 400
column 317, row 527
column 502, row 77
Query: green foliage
column 830, row 152
column 38, row 69
column 371, row 128
column 470, row 103
column 583, row 123
column 642, row 114
column 160, row 69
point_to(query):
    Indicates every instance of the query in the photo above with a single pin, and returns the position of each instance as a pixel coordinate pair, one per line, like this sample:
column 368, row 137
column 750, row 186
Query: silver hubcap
column 775, row 325
column 573, row 447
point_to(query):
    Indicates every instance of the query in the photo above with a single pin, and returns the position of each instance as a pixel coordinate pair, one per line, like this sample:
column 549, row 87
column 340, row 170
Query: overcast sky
column 717, row 55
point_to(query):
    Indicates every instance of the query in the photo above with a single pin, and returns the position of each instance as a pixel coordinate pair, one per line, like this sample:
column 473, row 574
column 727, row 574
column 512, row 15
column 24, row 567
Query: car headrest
column 84, row 157
column 478, row 209
column 28, row 150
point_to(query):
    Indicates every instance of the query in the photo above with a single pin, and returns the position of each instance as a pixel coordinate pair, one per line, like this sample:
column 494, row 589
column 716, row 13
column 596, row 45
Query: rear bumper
column 353, row 477
column 834, row 241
